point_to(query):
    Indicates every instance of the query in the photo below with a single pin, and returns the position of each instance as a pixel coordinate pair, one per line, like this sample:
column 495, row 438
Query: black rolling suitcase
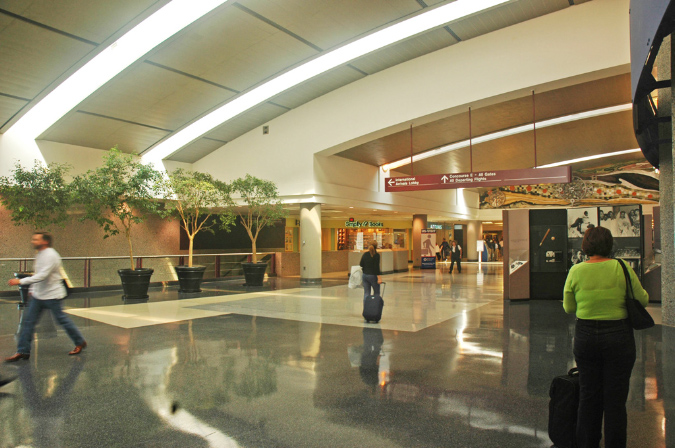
column 372, row 307
column 562, row 409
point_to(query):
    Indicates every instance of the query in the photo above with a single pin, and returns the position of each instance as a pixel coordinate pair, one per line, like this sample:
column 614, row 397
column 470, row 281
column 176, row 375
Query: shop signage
column 358, row 224
column 528, row 176
column 428, row 249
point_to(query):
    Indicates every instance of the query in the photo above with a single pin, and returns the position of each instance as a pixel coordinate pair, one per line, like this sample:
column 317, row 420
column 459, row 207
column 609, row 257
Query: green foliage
column 264, row 206
column 118, row 194
column 38, row 197
column 194, row 198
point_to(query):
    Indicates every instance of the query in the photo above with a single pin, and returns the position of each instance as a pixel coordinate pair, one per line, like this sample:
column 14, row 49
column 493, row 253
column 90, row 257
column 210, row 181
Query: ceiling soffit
column 485, row 120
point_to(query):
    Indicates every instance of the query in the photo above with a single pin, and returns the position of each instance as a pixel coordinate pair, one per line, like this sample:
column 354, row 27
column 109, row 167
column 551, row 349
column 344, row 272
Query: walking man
column 455, row 256
column 46, row 290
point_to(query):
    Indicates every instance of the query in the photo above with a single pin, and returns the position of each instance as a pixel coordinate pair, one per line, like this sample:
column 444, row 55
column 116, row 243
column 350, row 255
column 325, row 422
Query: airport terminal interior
column 507, row 126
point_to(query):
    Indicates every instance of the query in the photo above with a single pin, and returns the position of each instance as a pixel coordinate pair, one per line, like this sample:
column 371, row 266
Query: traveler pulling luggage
column 372, row 307
column 562, row 409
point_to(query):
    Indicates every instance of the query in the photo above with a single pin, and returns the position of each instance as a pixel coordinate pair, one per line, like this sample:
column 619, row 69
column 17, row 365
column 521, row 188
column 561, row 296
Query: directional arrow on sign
column 391, row 181
column 444, row 179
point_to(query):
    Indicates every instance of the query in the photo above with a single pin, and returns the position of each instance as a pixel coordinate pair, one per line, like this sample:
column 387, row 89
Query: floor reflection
column 467, row 370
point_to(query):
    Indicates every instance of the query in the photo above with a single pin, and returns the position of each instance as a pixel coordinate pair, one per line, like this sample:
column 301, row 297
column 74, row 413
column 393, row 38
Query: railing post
column 217, row 267
column 273, row 264
column 249, row 258
column 139, row 262
column 87, row 272
column 181, row 261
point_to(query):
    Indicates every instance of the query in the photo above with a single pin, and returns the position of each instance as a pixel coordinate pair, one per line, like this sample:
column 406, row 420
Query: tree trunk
column 131, row 252
column 254, row 256
column 192, row 240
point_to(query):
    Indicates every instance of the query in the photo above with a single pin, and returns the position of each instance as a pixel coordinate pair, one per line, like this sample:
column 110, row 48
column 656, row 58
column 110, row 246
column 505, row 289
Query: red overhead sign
column 528, row 176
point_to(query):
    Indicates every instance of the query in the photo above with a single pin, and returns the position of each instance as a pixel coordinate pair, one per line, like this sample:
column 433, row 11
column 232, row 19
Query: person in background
column 604, row 345
column 445, row 250
column 372, row 276
column 501, row 248
column 438, row 252
column 46, row 290
column 455, row 256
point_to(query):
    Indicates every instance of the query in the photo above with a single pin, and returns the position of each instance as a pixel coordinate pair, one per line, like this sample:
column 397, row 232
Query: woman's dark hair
column 597, row 241
column 372, row 248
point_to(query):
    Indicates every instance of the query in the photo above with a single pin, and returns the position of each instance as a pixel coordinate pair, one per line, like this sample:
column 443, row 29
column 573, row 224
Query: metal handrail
column 91, row 275
column 122, row 257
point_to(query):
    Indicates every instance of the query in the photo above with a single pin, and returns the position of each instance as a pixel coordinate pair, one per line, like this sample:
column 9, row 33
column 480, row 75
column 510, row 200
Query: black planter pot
column 23, row 289
column 254, row 273
column 190, row 278
column 135, row 283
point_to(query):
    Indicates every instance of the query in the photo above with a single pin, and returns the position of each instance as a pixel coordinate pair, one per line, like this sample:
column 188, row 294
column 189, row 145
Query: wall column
column 474, row 232
column 419, row 223
column 310, row 243
column 664, row 68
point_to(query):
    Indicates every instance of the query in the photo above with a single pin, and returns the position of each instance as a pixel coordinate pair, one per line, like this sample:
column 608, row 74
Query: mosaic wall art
column 626, row 183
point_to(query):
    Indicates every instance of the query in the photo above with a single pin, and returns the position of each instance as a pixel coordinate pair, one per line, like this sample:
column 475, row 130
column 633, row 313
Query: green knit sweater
column 597, row 291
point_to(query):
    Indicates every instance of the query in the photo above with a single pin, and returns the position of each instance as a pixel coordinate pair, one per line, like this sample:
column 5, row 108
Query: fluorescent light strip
column 509, row 132
column 145, row 36
column 395, row 33
column 583, row 159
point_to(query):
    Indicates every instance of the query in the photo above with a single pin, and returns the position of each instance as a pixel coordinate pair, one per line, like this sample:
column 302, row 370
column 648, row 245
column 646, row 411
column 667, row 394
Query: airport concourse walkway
column 449, row 365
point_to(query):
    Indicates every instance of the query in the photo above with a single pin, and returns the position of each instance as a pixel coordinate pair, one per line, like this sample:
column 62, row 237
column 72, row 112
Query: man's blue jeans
column 32, row 316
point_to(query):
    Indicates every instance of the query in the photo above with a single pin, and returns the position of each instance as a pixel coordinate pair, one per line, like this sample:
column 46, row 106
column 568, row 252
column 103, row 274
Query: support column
column 310, row 244
column 419, row 223
column 474, row 232
column 665, row 69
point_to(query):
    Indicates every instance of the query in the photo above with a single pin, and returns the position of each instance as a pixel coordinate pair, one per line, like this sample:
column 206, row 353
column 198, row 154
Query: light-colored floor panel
column 412, row 303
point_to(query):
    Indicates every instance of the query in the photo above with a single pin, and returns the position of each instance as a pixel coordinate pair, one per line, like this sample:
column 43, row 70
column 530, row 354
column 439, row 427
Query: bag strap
column 629, row 286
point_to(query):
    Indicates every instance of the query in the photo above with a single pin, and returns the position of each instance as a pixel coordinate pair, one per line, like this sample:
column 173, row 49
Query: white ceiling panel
column 504, row 16
column 196, row 150
column 318, row 86
column 9, row 107
column 154, row 96
column 33, row 57
column 233, row 49
column 246, row 121
column 103, row 133
column 94, row 20
column 327, row 23
column 405, row 51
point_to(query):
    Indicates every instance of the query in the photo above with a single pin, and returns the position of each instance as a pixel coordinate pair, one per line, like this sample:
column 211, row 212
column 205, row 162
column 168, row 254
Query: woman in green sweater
column 604, row 347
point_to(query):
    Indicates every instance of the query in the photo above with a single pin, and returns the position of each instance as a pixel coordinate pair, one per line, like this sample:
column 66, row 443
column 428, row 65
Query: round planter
column 135, row 283
column 254, row 273
column 23, row 289
column 190, row 278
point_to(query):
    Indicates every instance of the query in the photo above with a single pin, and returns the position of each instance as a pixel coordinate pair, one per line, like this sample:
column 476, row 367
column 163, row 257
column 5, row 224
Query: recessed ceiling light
column 597, row 156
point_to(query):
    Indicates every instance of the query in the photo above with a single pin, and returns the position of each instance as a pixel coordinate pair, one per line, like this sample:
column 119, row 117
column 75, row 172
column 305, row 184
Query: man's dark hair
column 597, row 241
column 45, row 236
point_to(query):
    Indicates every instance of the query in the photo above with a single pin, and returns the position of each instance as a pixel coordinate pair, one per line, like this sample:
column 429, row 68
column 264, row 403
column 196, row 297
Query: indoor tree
column 198, row 200
column 38, row 197
column 263, row 206
column 118, row 194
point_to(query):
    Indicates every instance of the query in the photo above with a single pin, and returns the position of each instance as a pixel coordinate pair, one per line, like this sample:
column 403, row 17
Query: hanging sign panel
column 528, row 176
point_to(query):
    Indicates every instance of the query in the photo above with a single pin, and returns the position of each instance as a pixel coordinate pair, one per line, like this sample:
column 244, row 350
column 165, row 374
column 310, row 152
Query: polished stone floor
column 449, row 365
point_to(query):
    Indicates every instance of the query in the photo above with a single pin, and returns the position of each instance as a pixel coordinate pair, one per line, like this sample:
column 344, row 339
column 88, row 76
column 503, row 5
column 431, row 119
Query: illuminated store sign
column 359, row 224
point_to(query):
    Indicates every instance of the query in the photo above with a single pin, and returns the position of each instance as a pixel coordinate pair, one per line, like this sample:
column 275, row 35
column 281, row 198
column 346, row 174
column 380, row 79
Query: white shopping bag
column 356, row 277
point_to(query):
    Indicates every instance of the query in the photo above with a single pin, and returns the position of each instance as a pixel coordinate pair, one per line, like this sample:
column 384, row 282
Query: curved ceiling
column 238, row 46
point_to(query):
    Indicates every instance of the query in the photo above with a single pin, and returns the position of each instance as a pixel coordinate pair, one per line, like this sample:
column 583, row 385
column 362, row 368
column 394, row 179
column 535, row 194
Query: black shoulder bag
column 637, row 314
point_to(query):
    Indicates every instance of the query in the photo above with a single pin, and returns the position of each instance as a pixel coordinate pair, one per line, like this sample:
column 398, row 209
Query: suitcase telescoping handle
column 382, row 288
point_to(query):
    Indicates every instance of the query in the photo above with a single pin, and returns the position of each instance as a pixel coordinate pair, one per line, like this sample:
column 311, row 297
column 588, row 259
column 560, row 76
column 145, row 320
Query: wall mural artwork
column 633, row 182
